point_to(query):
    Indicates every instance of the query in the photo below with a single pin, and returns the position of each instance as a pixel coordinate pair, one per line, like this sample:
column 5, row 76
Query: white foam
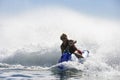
column 41, row 29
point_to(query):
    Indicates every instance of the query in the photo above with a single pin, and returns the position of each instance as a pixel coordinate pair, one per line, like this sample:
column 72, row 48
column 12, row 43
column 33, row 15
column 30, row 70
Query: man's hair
column 63, row 36
column 72, row 41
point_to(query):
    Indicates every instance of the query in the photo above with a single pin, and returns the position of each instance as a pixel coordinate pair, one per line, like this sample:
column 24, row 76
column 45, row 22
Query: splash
column 32, row 38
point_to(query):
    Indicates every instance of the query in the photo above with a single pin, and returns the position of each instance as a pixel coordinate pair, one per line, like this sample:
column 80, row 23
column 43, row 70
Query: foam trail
column 32, row 38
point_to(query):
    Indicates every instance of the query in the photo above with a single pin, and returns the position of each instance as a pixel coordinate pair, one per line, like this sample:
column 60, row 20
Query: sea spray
column 43, row 27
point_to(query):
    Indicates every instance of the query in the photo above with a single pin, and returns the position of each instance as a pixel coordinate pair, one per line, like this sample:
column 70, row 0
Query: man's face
column 64, row 39
column 71, row 43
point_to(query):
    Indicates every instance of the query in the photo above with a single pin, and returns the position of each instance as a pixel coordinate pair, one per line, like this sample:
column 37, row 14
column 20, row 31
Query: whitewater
column 30, row 45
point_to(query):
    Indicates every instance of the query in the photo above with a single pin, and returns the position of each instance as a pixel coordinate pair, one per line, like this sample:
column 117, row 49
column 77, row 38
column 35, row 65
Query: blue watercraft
column 67, row 57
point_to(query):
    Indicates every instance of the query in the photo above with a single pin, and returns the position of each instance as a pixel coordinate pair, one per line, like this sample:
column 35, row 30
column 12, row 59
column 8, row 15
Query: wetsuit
column 71, row 49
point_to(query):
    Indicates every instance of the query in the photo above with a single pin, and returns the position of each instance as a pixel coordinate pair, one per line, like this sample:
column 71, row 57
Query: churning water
column 30, row 45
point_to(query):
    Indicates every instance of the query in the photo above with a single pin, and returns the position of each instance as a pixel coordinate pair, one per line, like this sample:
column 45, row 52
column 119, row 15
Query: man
column 69, row 45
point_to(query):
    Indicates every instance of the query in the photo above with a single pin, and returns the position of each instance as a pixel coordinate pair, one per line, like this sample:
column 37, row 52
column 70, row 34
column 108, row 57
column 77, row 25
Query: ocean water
column 30, row 45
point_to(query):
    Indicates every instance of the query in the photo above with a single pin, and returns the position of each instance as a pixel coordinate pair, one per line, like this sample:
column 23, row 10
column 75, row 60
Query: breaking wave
column 32, row 39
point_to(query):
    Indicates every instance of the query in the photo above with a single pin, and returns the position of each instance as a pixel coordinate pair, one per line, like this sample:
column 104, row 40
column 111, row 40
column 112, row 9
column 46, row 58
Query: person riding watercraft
column 70, row 46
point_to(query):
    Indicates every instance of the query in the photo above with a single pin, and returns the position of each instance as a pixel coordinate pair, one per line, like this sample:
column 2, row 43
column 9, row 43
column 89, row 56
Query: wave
column 42, row 57
column 32, row 39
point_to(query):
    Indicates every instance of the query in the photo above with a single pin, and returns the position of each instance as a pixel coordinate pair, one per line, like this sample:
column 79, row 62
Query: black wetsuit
column 71, row 49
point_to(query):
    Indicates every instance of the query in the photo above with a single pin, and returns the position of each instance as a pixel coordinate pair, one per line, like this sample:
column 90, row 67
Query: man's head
column 63, row 37
column 71, row 42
